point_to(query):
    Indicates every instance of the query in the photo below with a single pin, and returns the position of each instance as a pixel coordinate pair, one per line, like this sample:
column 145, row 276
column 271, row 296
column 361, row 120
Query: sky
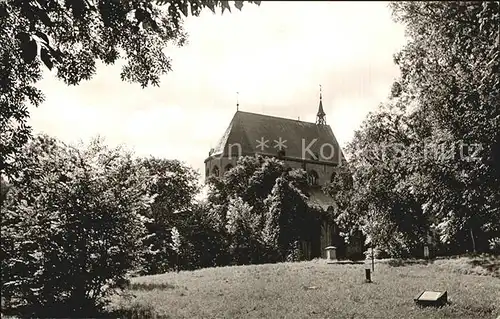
column 275, row 55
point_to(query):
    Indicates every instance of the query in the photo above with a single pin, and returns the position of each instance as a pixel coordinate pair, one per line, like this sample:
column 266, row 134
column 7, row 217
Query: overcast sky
column 276, row 55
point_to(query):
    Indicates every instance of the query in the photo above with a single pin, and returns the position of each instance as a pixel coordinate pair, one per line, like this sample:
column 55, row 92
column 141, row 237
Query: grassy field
column 319, row 290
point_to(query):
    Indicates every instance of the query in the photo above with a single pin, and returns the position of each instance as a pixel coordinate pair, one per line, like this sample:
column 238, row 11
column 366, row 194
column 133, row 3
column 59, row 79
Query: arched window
column 332, row 178
column 215, row 171
column 281, row 153
column 228, row 167
column 313, row 177
column 207, row 172
column 350, row 180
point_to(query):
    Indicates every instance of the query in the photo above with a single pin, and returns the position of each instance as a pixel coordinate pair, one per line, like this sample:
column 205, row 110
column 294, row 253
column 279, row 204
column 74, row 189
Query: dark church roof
column 247, row 129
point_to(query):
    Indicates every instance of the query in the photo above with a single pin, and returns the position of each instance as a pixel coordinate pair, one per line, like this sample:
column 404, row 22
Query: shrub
column 71, row 227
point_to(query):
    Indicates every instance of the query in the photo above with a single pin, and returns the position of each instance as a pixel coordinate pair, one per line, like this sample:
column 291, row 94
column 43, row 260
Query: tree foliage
column 262, row 206
column 243, row 228
column 73, row 223
column 202, row 243
column 288, row 219
column 452, row 68
column 427, row 162
column 175, row 186
column 69, row 37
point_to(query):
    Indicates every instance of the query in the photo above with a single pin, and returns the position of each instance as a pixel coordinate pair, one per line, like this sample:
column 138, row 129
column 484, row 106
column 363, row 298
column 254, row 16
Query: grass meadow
column 315, row 289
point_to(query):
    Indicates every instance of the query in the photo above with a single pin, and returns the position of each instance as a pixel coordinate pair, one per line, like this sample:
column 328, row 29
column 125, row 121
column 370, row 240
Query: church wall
column 324, row 171
column 221, row 164
column 211, row 164
column 293, row 164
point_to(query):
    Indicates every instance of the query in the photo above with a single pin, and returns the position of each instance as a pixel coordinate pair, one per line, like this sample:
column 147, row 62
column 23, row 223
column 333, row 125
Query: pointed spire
column 237, row 101
column 320, row 117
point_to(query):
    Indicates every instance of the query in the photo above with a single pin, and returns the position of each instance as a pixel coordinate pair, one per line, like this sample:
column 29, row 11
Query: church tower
column 321, row 116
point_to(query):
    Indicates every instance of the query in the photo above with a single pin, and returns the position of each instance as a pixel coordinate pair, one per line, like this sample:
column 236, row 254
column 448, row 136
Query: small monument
column 432, row 298
column 331, row 254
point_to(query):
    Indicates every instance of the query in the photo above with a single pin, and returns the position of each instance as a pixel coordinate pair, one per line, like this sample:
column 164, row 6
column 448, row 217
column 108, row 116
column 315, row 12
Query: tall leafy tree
column 235, row 183
column 287, row 219
column 372, row 195
column 279, row 210
column 175, row 185
column 73, row 223
column 203, row 244
column 428, row 160
column 451, row 70
column 243, row 227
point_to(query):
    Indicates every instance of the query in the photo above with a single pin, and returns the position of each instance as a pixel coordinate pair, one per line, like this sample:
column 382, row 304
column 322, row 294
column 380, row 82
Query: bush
column 71, row 227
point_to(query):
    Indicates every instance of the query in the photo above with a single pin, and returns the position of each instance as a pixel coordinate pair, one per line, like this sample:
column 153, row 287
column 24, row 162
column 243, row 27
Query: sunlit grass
column 317, row 290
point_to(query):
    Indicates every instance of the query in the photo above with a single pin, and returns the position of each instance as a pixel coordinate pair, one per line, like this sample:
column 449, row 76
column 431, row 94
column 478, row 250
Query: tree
column 286, row 220
column 72, row 227
column 70, row 36
column 450, row 69
column 279, row 213
column 427, row 161
column 175, row 185
column 235, row 183
column 243, row 229
column 203, row 244
column 373, row 195
column 4, row 188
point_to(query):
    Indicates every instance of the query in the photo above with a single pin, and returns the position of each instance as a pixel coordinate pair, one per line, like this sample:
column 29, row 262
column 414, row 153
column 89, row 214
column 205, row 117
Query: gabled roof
column 247, row 129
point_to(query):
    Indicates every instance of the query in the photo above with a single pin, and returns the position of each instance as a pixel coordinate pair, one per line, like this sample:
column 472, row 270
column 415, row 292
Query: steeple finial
column 237, row 101
column 320, row 117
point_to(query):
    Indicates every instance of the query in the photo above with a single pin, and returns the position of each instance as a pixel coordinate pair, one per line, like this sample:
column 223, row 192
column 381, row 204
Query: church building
column 310, row 146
